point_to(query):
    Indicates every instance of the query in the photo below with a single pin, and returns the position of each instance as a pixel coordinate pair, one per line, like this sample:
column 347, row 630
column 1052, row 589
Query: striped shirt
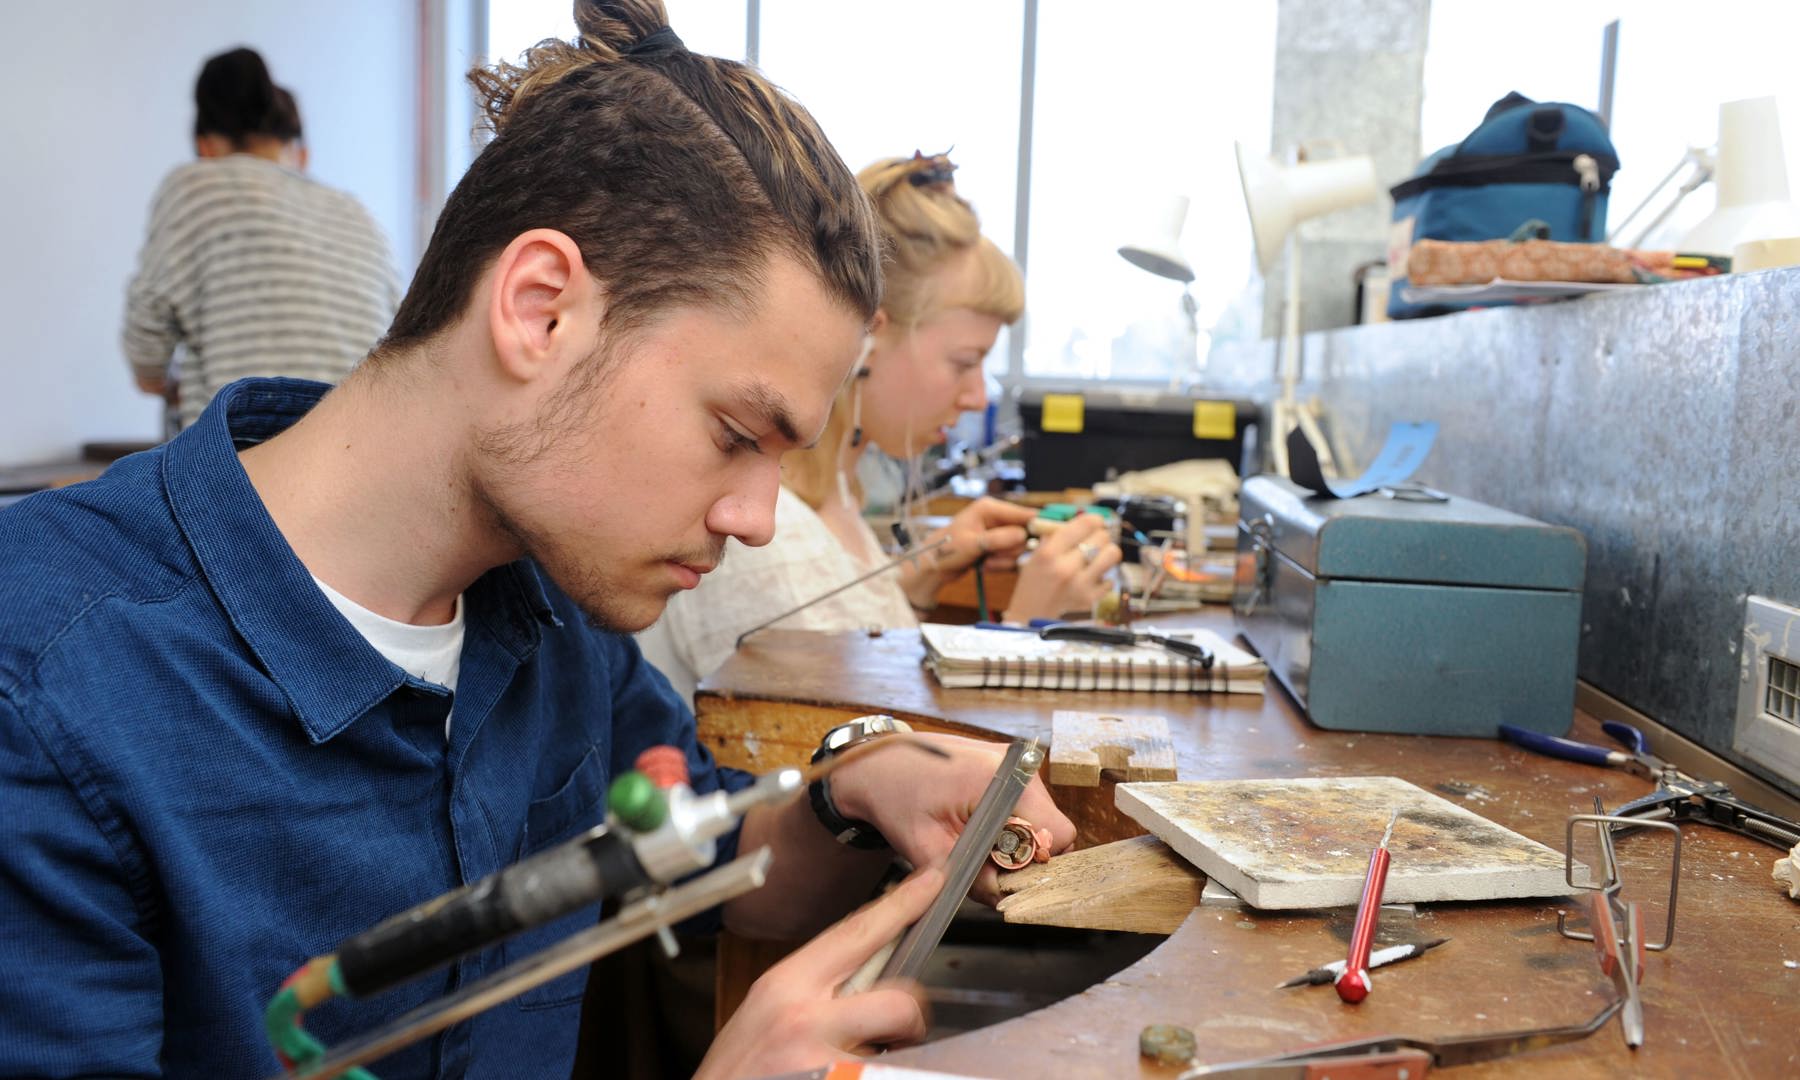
column 255, row 270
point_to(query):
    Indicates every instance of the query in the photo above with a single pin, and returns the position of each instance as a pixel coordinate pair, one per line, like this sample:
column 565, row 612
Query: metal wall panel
column 1663, row 423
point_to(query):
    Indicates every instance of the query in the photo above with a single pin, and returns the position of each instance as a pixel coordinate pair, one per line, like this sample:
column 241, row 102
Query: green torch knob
column 637, row 802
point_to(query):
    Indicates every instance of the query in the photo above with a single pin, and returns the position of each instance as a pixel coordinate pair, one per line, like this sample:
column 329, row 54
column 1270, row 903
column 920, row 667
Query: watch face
column 863, row 727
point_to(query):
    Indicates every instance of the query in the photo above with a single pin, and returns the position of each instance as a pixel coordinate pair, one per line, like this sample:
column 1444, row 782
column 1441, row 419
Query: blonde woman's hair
column 926, row 226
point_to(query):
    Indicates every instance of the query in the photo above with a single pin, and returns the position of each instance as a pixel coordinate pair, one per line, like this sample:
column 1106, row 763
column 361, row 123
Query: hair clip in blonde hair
column 936, row 169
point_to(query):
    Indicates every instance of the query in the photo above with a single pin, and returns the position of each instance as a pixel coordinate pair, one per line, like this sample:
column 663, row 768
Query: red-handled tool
column 1353, row 982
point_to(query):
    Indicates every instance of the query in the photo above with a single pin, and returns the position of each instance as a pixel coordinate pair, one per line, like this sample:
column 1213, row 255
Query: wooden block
column 1305, row 843
column 1137, row 885
column 1083, row 743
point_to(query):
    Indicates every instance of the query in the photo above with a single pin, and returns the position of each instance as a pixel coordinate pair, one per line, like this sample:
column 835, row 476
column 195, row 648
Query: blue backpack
column 1528, row 162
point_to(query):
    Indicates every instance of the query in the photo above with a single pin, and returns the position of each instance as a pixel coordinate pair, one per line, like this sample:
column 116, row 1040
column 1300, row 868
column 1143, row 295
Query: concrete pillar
column 1353, row 72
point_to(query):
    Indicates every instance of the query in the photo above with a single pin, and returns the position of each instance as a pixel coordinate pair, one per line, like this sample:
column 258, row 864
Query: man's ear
column 542, row 303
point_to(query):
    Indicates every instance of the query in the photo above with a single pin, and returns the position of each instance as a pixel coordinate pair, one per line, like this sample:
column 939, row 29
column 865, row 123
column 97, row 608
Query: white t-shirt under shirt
column 701, row 626
column 431, row 654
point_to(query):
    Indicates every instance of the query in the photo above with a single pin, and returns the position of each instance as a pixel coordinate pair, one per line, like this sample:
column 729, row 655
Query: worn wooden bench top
column 1724, row 1001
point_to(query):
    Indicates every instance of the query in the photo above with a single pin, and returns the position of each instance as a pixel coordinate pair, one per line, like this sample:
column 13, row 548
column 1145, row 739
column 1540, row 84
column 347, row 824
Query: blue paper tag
column 1400, row 457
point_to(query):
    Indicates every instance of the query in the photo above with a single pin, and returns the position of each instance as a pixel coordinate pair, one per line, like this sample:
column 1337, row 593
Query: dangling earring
column 853, row 440
column 862, row 372
column 856, row 431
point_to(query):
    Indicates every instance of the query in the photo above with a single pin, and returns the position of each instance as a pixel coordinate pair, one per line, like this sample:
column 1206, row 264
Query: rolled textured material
column 1477, row 262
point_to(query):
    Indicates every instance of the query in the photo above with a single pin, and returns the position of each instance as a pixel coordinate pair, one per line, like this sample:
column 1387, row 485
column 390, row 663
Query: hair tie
column 658, row 42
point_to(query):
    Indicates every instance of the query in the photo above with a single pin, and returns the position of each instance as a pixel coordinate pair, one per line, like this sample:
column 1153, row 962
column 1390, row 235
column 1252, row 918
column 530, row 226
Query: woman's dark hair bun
column 235, row 97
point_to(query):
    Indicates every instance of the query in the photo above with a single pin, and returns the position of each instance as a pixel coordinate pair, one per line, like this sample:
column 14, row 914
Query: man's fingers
column 834, row 955
column 1036, row 806
column 890, row 1014
column 986, row 889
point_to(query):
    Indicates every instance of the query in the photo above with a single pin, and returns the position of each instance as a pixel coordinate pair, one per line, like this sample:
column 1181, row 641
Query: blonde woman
column 947, row 291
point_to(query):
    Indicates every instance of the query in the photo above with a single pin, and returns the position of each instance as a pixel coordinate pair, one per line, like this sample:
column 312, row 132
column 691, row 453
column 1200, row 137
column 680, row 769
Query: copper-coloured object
column 1016, row 845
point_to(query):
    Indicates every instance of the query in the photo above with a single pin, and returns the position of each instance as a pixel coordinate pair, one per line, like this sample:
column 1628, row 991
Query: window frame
column 449, row 24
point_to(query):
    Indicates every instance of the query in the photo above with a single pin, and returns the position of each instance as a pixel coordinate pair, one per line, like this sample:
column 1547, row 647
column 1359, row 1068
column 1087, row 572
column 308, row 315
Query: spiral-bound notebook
column 968, row 656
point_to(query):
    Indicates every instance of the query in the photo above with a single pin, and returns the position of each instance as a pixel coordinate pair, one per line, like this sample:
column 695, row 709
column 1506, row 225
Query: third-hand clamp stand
column 1681, row 798
column 1615, row 926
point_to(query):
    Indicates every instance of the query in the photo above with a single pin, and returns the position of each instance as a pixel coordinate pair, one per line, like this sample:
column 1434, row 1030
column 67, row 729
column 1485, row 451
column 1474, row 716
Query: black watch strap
column 847, row 831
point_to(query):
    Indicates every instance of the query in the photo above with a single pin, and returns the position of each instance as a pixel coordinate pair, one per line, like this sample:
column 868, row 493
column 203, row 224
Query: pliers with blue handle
column 1678, row 797
column 1636, row 753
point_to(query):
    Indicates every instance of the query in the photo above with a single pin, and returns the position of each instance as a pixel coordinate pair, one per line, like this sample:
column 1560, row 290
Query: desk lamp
column 1160, row 254
column 1280, row 197
column 1754, row 203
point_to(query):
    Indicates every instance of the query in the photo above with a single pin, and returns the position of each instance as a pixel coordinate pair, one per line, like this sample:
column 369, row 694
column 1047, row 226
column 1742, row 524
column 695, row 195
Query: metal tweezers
column 967, row 856
column 1391, row 1057
column 1616, row 926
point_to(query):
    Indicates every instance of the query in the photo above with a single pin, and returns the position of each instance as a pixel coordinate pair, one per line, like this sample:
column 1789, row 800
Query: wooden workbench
column 1723, row 1002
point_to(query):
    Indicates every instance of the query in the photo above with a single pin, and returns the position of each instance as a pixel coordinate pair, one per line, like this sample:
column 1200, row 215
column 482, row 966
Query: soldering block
column 1305, row 842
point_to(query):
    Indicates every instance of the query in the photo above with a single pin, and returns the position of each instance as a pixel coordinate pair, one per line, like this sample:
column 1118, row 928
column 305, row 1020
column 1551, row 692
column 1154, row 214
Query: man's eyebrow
column 768, row 404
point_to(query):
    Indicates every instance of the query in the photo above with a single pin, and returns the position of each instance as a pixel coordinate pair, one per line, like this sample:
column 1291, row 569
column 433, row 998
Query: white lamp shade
column 1279, row 197
column 1754, row 203
column 1160, row 251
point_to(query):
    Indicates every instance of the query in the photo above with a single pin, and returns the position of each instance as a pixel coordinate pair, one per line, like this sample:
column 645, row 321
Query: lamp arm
column 1190, row 317
column 1702, row 161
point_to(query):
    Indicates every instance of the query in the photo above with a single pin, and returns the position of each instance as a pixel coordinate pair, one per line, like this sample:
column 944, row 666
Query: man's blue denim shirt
column 207, row 776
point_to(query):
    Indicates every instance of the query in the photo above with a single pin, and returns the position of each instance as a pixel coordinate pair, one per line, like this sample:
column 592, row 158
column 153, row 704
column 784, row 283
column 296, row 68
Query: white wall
column 102, row 107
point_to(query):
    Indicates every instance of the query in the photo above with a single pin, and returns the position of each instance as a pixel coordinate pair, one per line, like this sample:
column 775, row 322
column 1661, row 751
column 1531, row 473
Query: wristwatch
column 846, row 830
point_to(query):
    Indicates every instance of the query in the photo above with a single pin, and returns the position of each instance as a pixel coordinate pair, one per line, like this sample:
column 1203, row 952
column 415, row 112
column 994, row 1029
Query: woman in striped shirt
column 251, row 268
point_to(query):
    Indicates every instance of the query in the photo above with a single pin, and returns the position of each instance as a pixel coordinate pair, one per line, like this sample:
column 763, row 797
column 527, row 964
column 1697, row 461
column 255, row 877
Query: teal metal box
column 1399, row 614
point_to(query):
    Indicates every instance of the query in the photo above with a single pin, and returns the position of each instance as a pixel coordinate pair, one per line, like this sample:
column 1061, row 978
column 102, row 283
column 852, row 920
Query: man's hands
column 921, row 804
column 1066, row 573
column 792, row 1020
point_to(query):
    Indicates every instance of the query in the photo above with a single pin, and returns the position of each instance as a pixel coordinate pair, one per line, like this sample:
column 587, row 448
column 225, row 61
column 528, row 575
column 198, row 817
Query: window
column 1133, row 109
column 1675, row 67
column 716, row 27
column 1127, row 113
column 885, row 81
column 931, row 76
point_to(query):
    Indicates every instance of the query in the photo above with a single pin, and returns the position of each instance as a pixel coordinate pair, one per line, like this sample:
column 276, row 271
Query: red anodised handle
column 1353, row 982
